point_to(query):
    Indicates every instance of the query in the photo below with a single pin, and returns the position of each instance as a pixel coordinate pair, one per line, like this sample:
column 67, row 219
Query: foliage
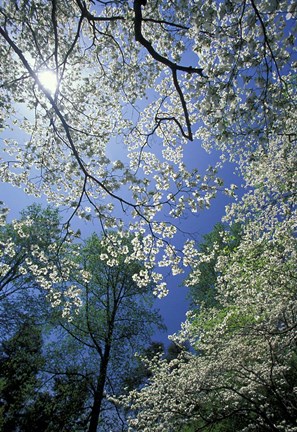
column 23, row 241
column 140, row 372
column 63, row 386
column 60, row 410
column 244, row 369
column 20, row 362
column 33, row 262
column 116, row 320
column 218, row 240
column 26, row 405
column 243, row 374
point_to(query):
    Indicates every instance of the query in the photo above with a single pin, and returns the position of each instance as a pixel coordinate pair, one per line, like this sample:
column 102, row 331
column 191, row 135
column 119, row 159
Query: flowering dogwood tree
column 33, row 257
column 100, row 100
column 243, row 373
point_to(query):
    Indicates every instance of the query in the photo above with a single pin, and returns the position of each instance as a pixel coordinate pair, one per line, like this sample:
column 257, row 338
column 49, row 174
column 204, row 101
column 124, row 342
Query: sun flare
column 49, row 80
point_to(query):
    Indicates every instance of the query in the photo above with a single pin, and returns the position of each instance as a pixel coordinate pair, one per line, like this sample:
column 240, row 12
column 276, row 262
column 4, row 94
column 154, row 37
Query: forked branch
column 166, row 62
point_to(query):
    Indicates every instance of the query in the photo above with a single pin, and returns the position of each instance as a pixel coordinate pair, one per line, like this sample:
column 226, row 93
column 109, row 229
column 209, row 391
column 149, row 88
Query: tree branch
column 164, row 60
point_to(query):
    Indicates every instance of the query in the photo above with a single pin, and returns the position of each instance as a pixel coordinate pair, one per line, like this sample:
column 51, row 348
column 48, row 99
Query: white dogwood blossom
column 33, row 257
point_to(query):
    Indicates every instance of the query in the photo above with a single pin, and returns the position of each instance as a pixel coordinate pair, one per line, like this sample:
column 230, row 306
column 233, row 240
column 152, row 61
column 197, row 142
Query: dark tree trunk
column 99, row 393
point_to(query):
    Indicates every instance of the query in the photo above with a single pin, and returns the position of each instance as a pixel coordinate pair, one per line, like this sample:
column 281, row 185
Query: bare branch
column 164, row 60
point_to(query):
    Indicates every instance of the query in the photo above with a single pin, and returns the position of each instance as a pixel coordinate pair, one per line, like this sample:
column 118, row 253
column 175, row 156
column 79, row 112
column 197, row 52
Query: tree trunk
column 99, row 393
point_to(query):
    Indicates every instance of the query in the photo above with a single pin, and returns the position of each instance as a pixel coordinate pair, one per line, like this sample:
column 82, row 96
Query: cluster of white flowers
column 23, row 256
